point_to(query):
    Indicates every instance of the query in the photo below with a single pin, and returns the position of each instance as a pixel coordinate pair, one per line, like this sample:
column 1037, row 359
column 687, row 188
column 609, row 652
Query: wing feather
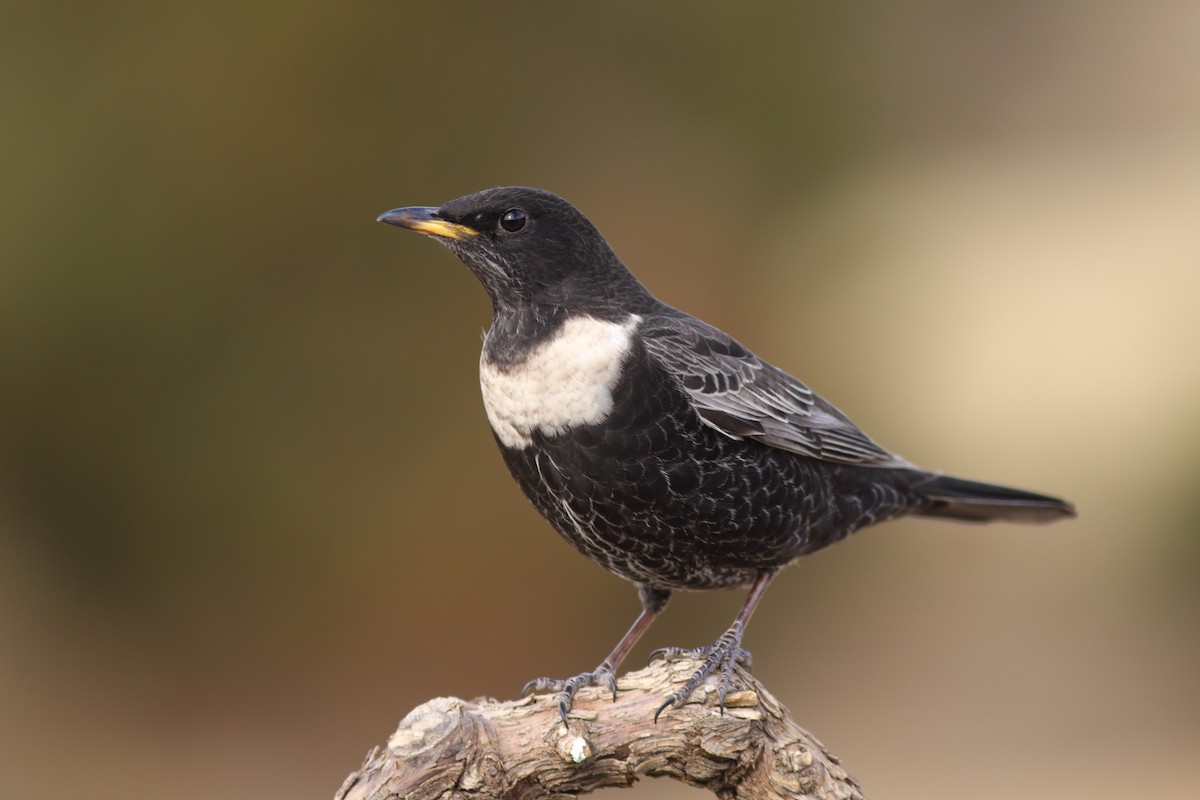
column 742, row 396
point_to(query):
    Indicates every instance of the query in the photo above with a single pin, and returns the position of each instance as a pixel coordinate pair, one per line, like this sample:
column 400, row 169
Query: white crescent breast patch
column 565, row 382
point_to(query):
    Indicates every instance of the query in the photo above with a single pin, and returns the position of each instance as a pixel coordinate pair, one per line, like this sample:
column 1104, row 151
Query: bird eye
column 513, row 220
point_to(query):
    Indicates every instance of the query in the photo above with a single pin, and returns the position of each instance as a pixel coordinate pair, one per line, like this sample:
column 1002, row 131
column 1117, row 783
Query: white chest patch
column 565, row 382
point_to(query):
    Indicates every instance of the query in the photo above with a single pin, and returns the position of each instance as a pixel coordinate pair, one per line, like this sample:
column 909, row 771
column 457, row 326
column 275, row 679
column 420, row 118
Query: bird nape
column 656, row 444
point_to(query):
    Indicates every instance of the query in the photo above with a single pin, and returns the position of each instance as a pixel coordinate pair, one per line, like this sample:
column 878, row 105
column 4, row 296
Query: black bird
column 658, row 445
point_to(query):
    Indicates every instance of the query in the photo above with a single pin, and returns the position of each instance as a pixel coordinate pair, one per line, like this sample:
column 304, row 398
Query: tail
column 971, row 501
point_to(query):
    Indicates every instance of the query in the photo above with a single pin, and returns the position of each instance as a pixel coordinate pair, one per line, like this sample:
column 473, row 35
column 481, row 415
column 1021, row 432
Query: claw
column 669, row 701
column 612, row 684
column 565, row 701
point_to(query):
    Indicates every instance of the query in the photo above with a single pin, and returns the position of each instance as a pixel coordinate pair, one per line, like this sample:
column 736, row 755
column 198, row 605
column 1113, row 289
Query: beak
column 424, row 219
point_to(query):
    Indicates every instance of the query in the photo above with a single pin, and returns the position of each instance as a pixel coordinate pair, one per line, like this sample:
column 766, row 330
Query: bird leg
column 653, row 602
column 724, row 653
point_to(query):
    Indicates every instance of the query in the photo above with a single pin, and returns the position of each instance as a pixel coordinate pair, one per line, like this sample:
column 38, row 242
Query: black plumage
column 659, row 446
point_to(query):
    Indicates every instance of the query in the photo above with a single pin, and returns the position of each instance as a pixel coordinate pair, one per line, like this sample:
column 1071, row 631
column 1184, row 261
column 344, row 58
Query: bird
column 658, row 445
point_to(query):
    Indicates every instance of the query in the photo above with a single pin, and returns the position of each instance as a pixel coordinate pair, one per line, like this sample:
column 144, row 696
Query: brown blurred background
column 251, row 512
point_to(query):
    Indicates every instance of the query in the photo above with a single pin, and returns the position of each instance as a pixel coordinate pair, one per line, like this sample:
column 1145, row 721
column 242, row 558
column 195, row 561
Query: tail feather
column 972, row 501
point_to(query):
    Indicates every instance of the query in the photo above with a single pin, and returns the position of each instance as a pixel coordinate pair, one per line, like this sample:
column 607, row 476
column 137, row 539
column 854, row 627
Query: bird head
column 526, row 246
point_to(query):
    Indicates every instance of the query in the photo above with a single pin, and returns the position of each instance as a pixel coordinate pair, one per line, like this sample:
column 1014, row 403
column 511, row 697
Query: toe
column 541, row 686
column 676, row 653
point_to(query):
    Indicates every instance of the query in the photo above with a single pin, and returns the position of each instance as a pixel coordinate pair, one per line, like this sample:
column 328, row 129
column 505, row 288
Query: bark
column 520, row 750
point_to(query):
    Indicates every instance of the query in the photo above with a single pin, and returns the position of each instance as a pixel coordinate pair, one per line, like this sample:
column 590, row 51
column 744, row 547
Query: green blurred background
column 251, row 512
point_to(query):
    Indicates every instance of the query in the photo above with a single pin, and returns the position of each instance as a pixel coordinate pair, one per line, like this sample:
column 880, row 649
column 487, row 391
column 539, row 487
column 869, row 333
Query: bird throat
column 564, row 381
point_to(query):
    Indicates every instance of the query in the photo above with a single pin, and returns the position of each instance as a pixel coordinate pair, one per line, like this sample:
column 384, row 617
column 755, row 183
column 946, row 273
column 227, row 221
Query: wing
column 744, row 397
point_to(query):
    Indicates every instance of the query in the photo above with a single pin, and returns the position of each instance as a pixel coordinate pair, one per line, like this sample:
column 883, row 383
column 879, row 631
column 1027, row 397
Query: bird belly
column 654, row 495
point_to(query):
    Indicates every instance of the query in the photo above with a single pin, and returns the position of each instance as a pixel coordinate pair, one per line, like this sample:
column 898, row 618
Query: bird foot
column 600, row 676
column 723, row 654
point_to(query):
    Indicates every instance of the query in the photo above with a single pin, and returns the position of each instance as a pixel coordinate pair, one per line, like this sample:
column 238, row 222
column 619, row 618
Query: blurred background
column 250, row 509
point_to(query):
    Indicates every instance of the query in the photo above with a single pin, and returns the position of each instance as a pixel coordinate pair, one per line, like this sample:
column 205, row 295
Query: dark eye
column 513, row 220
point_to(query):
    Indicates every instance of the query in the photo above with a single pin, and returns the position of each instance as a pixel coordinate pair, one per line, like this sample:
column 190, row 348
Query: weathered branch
column 520, row 750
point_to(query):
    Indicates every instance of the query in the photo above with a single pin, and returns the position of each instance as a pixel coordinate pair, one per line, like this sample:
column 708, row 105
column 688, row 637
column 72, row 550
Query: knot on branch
column 518, row 750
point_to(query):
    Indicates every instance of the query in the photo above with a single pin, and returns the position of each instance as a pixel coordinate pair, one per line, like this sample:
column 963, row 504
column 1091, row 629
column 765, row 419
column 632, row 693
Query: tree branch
column 520, row 750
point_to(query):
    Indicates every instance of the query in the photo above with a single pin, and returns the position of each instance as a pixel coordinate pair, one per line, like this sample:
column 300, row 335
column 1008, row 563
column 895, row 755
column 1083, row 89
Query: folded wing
column 744, row 397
